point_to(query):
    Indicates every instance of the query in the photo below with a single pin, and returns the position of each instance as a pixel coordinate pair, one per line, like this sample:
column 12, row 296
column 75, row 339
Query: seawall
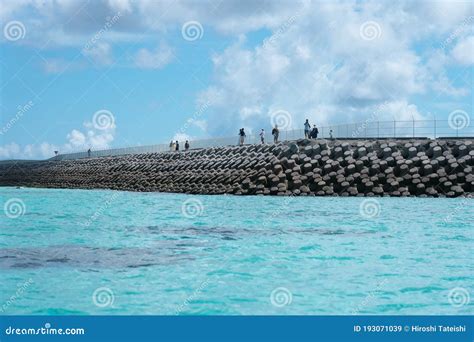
column 416, row 167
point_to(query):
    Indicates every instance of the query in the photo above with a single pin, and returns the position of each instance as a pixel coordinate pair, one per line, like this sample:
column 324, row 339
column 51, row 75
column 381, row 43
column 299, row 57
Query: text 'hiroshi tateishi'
column 438, row 328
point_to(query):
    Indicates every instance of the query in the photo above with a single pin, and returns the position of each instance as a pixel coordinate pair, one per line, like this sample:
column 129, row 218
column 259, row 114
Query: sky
column 78, row 74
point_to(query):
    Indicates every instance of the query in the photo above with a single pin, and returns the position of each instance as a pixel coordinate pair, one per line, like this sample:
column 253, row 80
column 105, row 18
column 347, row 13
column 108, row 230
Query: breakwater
column 416, row 167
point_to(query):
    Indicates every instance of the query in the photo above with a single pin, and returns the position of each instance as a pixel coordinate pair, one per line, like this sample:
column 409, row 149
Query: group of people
column 174, row 146
column 275, row 133
column 309, row 133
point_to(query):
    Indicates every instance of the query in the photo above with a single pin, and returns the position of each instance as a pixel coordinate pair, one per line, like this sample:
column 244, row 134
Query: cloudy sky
column 109, row 73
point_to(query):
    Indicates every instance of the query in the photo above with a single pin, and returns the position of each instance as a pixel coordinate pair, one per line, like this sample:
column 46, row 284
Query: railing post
column 413, row 127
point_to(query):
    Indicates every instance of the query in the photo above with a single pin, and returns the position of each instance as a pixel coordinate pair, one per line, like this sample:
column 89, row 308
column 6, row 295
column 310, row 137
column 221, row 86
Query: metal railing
column 367, row 129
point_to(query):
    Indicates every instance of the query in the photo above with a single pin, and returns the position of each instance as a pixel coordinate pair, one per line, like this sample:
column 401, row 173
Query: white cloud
column 463, row 52
column 328, row 72
column 9, row 151
column 316, row 64
column 201, row 124
column 99, row 53
column 181, row 137
column 121, row 5
column 77, row 141
column 55, row 66
column 398, row 110
column 155, row 59
column 76, row 138
column 91, row 138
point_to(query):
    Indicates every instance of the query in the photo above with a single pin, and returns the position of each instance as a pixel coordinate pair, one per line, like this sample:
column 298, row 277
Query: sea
column 104, row 252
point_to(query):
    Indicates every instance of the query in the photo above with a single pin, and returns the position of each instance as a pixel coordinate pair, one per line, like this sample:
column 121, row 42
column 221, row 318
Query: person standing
column 262, row 136
column 186, row 145
column 307, row 128
column 172, row 147
column 241, row 136
column 89, row 153
column 275, row 133
column 177, row 146
column 314, row 132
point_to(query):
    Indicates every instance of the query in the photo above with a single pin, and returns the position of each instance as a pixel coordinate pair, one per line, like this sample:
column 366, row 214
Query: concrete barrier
column 397, row 167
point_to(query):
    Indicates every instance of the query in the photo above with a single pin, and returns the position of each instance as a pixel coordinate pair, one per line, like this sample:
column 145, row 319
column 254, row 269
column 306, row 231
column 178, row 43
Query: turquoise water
column 107, row 252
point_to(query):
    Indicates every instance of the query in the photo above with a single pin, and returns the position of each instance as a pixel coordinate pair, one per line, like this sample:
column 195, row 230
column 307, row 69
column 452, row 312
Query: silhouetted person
column 314, row 132
column 172, row 147
column 241, row 136
column 330, row 134
column 262, row 136
column 177, row 145
column 186, row 145
column 307, row 128
column 89, row 153
column 275, row 133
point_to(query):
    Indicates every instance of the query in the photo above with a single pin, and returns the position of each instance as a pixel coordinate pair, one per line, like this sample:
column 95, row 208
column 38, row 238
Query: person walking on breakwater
column 307, row 128
column 275, row 133
column 314, row 132
column 330, row 134
column 186, row 145
column 262, row 136
column 177, row 146
column 241, row 136
column 89, row 153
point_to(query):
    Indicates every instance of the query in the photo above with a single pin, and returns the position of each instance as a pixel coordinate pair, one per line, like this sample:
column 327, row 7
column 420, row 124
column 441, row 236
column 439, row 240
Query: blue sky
column 156, row 70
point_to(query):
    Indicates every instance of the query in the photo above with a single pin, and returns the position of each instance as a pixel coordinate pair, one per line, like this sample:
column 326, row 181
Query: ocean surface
column 108, row 252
